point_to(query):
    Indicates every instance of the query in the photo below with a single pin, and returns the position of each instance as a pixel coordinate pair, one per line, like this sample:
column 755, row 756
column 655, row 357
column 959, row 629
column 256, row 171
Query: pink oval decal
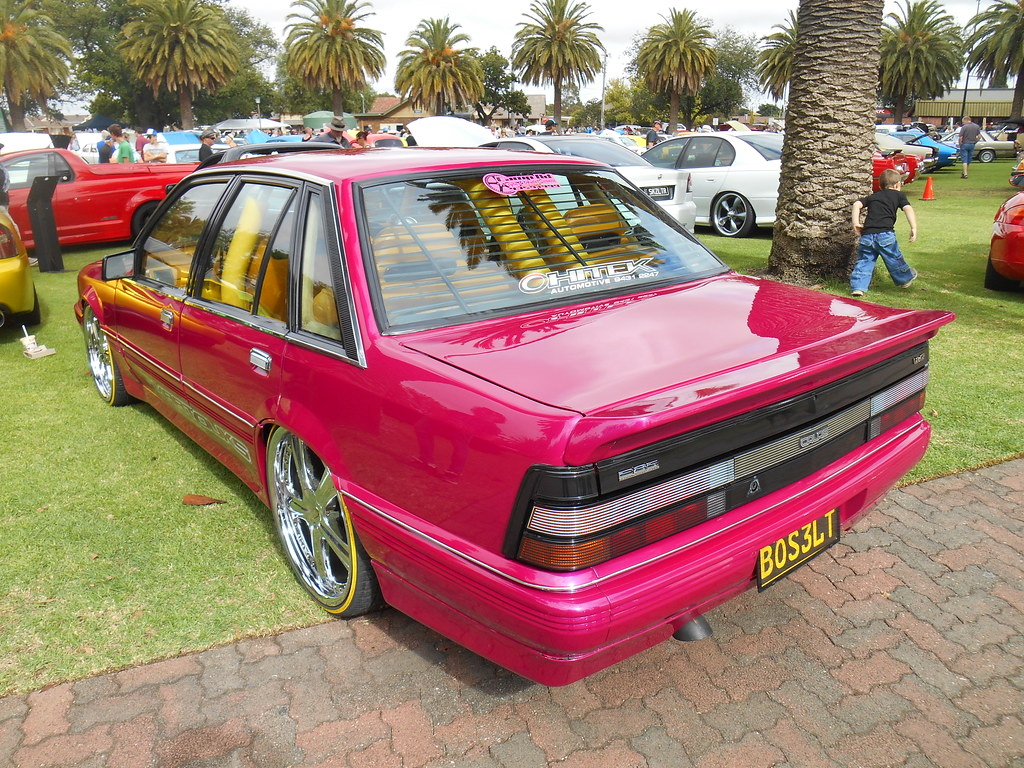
column 508, row 186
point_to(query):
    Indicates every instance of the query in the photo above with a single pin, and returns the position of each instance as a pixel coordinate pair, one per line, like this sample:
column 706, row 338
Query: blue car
column 947, row 155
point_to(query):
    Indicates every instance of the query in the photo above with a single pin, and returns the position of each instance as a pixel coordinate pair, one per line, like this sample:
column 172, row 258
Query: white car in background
column 734, row 176
column 665, row 187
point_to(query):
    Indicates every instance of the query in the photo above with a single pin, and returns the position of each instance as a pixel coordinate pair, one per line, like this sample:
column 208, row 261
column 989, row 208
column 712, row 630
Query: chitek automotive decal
column 582, row 278
column 508, row 186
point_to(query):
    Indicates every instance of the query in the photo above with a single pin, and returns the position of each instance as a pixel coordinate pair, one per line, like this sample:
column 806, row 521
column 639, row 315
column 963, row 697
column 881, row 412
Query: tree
column 180, row 46
column 775, row 62
column 769, row 110
column 996, row 45
column 327, row 48
column 33, row 57
column 557, row 46
column 434, row 71
column 826, row 157
column 676, row 57
column 921, row 54
column 499, row 93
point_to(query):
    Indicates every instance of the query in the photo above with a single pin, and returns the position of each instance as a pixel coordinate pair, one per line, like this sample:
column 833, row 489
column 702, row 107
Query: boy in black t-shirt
column 877, row 237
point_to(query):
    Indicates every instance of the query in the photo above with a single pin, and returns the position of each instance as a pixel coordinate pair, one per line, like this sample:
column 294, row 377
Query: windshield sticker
column 582, row 278
column 509, row 186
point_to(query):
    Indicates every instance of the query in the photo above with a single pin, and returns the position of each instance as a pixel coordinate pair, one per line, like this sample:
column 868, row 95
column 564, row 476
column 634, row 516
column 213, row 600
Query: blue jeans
column 869, row 248
column 966, row 153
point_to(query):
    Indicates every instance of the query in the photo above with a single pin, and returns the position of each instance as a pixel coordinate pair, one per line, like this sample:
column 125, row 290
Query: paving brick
column 519, row 751
column 341, row 737
column 926, row 636
column 999, row 744
column 661, row 751
column 798, row 747
column 935, row 707
column 937, row 744
column 682, row 722
column 617, row 755
column 993, row 702
column 754, row 751
column 882, row 748
column 47, row 714
column 863, row 641
column 133, row 744
column 64, row 750
column 975, row 635
column 861, row 675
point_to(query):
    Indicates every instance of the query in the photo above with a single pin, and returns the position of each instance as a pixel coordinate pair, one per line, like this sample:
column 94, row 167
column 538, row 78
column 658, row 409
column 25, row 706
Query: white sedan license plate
column 787, row 554
column 659, row 193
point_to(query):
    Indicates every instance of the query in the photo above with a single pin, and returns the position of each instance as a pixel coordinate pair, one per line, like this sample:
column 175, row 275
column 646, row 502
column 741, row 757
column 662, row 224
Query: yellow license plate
column 790, row 552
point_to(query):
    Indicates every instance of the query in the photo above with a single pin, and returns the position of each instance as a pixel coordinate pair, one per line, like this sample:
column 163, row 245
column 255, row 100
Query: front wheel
column 732, row 215
column 986, row 156
column 141, row 216
column 105, row 373
column 316, row 529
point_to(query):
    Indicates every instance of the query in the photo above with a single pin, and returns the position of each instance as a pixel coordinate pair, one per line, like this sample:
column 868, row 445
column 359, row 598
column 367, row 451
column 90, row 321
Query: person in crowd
column 969, row 134
column 153, row 152
column 308, row 135
column 654, row 135
column 123, row 152
column 362, row 140
column 207, row 139
column 335, row 133
column 549, row 127
column 104, row 148
column 876, row 234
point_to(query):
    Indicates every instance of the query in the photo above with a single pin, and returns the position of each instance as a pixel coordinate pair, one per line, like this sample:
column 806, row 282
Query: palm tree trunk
column 185, row 108
column 673, row 112
column 1018, row 94
column 558, row 104
column 901, row 105
column 826, row 158
column 15, row 108
column 337, row 102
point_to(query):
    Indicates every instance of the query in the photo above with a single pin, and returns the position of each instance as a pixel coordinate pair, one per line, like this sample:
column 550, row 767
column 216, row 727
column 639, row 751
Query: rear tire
column 996, row 282
column 732, row 215
column 986, row 156
column 33, row 316
column 141, row 216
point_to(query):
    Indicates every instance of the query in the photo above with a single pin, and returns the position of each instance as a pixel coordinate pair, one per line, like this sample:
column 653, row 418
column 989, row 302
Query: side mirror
column 118, row 265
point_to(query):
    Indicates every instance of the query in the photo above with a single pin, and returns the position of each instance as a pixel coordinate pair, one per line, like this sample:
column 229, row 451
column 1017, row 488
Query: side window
column 62, row 169
column 665, row 154
column 242, row 246
column 701, row 152
column 319, row 313
column 24, row 171
column 167, row 253
column 726, row 154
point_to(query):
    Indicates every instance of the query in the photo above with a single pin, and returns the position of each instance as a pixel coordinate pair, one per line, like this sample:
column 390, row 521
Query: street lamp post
column 259, row 114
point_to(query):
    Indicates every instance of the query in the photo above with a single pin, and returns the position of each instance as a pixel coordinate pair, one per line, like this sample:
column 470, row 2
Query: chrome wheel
column 316, row 529
column 732, row 215
column 986, row 156
column 105, row 374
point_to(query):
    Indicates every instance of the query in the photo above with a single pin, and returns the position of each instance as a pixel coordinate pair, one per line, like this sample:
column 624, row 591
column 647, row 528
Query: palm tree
column 826, row 157
column 327, row 48
column 181, row 46
column 921, row 53
column 675, row 57
column 556, row 45
column 996, row 45
column 33, row 57
column 775, row 61
column 432, row 70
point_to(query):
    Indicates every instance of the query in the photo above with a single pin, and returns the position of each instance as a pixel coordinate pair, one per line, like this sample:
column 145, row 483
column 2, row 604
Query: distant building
column 984, row 105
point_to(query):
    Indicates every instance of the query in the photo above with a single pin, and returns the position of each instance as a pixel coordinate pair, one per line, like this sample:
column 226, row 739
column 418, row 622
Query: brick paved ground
column 902, row 646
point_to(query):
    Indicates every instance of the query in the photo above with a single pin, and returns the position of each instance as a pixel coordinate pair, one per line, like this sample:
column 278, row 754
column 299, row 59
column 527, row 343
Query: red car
column 505, row 393
column 905, row 164
column 91, row 203
column 1005, row 269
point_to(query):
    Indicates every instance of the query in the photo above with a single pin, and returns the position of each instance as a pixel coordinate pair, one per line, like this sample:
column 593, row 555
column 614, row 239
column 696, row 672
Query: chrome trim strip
column 594, row 582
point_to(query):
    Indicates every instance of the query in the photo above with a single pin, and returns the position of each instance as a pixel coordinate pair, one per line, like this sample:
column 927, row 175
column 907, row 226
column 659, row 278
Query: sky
column 494, row 22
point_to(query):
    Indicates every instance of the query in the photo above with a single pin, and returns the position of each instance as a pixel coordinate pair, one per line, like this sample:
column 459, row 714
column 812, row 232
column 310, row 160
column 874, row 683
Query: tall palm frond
column 434, row 70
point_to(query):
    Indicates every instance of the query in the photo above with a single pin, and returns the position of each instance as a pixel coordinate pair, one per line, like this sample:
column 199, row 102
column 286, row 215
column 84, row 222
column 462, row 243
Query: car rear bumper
column 558, row 628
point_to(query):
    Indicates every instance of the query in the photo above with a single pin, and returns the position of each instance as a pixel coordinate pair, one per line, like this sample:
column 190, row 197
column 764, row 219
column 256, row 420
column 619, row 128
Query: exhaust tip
column 695, row 629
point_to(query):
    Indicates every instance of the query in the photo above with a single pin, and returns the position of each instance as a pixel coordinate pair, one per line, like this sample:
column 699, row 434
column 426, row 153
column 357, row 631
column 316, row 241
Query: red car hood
column 690, row 354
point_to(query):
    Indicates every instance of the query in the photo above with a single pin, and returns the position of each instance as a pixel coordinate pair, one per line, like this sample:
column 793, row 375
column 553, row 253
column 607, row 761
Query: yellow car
column 18, row 301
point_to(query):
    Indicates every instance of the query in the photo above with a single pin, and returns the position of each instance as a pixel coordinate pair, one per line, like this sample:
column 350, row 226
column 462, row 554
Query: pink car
column 505, row 394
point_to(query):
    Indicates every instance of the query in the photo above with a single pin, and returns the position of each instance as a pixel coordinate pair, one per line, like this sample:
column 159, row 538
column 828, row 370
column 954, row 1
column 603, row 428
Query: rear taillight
column 1014, row 215
column 568, row 525
column 8, row 243
column 689, row 182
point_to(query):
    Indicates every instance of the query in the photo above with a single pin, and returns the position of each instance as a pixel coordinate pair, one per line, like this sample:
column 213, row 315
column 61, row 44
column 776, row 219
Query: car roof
column 345, row 164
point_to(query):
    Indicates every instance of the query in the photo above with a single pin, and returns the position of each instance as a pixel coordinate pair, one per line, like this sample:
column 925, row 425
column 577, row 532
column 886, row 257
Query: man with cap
column 335, row 133
column 654, row 135
column 549, row 127
column 207, row 140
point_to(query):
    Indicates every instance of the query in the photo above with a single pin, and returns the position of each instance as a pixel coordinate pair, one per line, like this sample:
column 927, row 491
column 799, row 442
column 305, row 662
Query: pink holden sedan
column 505, row 393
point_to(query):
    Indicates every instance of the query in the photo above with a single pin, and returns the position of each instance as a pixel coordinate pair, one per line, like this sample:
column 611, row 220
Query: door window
column 250, row 252
column 25, row 170
column 319, row 313
column 665, row 154
column 168, row 250
column 704, row 151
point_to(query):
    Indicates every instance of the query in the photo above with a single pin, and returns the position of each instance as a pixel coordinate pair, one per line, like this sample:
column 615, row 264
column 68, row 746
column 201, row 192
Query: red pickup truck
column 91, row 203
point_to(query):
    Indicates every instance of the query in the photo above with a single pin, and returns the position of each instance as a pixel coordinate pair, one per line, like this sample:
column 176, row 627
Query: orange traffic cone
column 929, row 194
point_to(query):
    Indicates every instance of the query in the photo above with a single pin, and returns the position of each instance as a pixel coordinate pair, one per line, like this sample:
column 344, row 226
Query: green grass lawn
column 105, row 567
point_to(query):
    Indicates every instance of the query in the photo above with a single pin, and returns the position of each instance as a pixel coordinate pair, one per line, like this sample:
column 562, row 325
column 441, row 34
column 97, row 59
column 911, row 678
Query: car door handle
column 166, row 319
column 260, row 359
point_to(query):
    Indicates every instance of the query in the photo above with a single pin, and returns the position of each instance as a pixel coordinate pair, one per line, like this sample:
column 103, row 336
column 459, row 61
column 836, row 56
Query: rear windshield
column 448, row 249
column 768, row 144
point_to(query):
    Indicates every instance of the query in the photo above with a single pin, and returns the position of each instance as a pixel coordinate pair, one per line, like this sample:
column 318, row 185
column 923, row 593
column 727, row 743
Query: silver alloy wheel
column 315, row 528
column 97, row 350
column 732, row 215
column 986, row 156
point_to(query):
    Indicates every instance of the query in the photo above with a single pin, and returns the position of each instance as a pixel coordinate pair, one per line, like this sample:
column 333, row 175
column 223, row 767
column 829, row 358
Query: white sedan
column 666, row 187
column 734, row 176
